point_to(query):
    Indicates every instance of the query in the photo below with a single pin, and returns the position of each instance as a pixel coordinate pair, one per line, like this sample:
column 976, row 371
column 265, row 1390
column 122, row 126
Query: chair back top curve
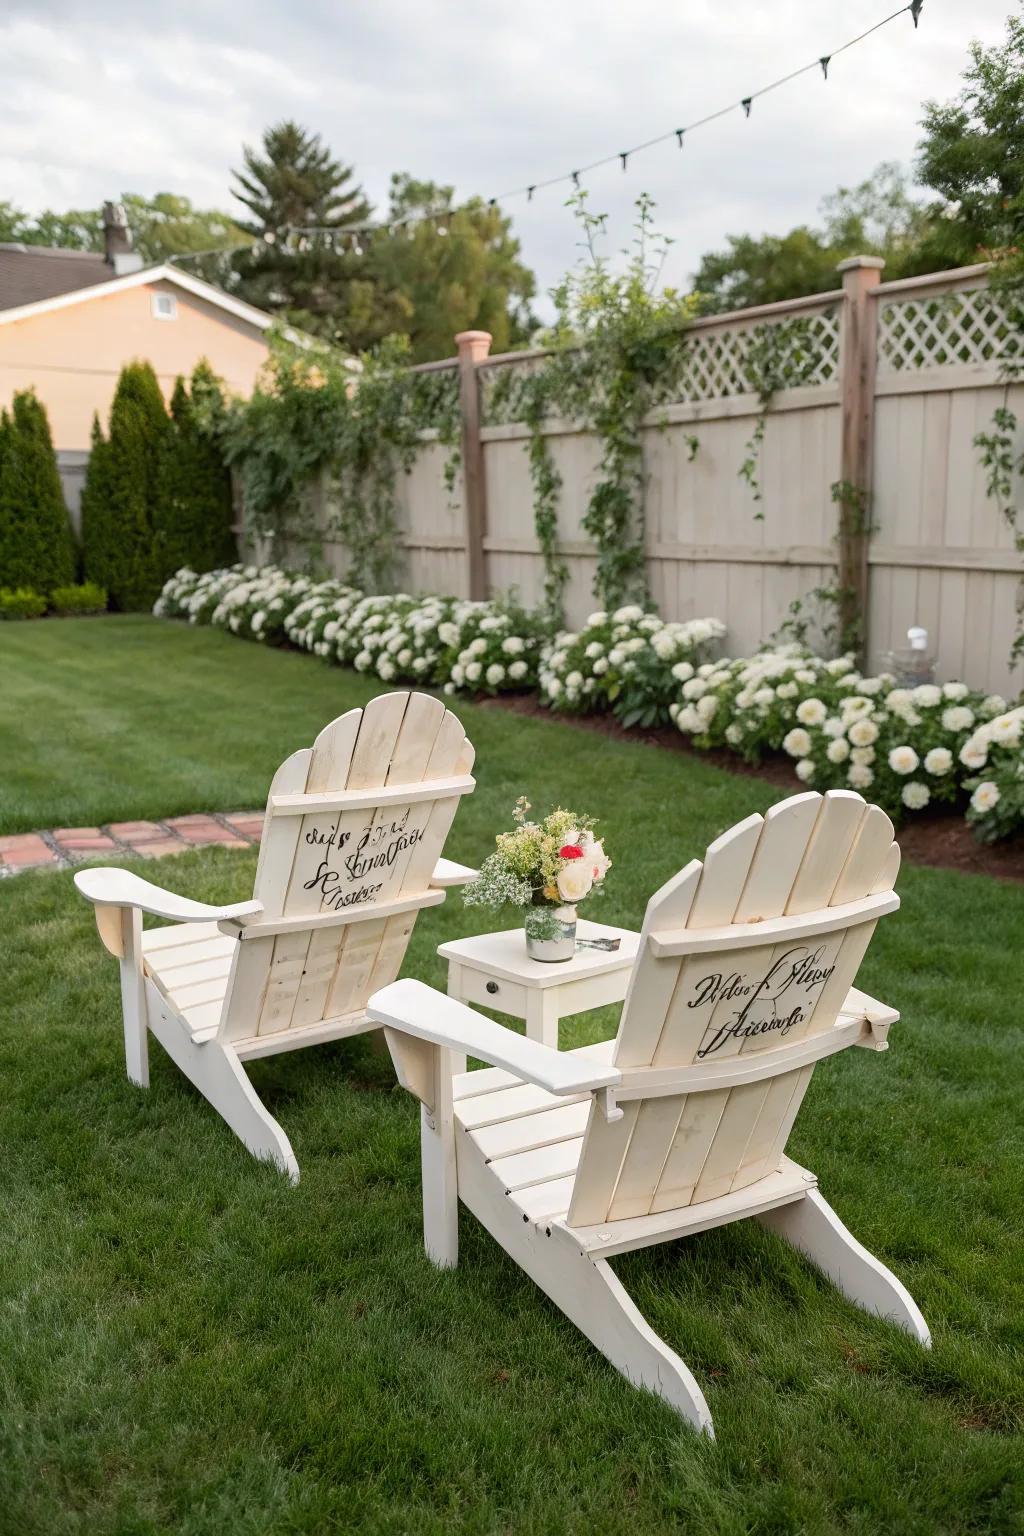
column 354, row 827
column 744, row 964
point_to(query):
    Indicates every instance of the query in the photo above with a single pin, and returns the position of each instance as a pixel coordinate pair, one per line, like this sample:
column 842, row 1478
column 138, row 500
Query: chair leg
column 218, row 1074
column 587, row 1291
column 440, row 1180
column 133, row 1000
column 812, row 1226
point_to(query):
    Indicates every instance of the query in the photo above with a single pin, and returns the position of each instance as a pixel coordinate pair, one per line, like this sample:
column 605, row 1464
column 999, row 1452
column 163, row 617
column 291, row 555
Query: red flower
column 570, row 851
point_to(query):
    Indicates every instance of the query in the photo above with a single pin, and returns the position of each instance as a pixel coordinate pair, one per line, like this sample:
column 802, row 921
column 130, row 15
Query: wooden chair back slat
column 806, row 855
column 320, row 863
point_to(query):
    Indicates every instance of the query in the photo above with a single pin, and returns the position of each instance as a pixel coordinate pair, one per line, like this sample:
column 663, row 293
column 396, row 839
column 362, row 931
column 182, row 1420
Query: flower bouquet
column 547, row 868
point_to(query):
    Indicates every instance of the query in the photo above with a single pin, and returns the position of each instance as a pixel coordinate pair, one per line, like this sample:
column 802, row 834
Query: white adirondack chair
column 743, row 981
column 350, row 853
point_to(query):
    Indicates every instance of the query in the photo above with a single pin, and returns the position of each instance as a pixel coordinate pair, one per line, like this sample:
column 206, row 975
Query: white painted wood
column 421, row 1011
column 352, row 843
column 569, row 1157
column 812, row 1226
column 440, row 1180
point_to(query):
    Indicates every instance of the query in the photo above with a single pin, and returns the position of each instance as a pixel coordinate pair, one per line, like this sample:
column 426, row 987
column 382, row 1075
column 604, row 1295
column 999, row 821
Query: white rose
column 796, row 742
column 860, row 776
column 764, row 697
column 575, row 880
column 833, row 726
column 915, row 795
column 938, row 761
column 974, row 753
column 787, row 690
column 805, row 770
column 838, row 750
column 903, row 760
column 994, row 704
column 840, row 665
column 927, row 695
column 811, row 712
column 955, row 691
column 628, row 615
column 985, row 797
column 865, row 756
column 1006, row 729
column 596, row 619
column 513, row 645
column 682, row 671
column 863, row 733
column 448, row 633
column 870, row 685
column 957, row 718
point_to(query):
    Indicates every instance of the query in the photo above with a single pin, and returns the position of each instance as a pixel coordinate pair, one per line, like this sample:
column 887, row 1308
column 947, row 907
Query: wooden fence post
column 473, row 348
column 857, row 398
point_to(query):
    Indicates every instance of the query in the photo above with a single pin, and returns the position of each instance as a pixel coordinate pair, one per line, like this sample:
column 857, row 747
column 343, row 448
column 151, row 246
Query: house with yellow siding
column 70, row 320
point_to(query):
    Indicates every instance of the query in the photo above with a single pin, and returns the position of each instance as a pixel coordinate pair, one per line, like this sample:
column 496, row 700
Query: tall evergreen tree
column 121, row 492
column 306, row 268
column 194, row 509
column 37, row 548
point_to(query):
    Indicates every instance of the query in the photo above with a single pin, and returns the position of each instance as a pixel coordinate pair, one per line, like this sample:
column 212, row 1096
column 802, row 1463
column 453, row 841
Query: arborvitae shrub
column 194, row 509
column 121, row 492
column 37, row 547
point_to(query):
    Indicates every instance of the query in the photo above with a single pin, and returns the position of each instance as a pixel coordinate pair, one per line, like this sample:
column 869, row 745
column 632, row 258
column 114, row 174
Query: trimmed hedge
column 37, row 548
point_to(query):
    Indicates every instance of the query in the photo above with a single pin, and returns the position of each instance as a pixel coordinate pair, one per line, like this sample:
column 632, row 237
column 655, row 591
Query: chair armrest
column 113, row 887
column 860, row 1005
column 418, row 1010
column 447, row 872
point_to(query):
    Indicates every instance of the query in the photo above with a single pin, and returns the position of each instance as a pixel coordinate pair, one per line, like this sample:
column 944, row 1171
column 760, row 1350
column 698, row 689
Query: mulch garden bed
column 941, row 839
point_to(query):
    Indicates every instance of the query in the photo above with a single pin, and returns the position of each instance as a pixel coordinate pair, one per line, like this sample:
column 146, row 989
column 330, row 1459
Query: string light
column 623, row 156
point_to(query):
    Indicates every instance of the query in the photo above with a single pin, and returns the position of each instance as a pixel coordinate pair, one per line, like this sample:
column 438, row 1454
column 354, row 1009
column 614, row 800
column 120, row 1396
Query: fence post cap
column 474, row 344
column 853, row 262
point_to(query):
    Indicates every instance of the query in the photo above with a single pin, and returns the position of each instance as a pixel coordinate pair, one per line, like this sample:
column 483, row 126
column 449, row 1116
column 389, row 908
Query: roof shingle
column 29, row 273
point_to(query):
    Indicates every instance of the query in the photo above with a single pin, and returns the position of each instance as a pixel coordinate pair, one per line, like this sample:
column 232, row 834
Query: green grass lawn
column 190, row 1345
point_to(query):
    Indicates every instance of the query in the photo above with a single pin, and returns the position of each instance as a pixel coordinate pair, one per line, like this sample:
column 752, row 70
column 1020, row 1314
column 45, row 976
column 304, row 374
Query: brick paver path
column 63, row 846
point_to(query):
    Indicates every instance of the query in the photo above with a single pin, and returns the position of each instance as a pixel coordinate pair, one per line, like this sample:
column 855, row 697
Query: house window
column 165, row 306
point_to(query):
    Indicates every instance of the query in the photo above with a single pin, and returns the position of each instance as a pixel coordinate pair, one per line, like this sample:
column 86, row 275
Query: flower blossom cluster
column 900, row 747
column 628, row 661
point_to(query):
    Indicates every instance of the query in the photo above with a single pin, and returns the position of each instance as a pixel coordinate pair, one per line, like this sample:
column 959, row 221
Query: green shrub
column 37, row 547
column 87, row 598
column 120, row 496
column 21, row 603
column 195, row 509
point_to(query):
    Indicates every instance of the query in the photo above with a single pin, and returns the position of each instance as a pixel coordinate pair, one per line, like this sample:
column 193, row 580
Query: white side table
column 494, row 970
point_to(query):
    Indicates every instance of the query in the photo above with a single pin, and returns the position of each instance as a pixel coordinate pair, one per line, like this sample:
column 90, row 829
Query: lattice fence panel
column 720, row 363
column 945, row 330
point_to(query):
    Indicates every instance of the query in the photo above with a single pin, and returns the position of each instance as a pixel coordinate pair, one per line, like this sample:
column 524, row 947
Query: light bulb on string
column 624, row 157
column 679, row 136
column 915, row 11
column 824, row 61
column 746, row 104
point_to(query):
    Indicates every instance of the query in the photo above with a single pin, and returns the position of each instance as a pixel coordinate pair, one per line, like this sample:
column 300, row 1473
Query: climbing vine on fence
column 780, row 354
column 617, row 349
column 1000, row 450
column 358, row 422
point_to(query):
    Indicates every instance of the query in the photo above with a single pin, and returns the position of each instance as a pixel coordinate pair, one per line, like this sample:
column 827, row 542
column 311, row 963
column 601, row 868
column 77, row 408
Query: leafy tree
column 162, row 226
column 194, row 509
column 121, row 494
column 879, row 217
column 37, row 548
column 972, row 154
column 309, row 270
column 458, row 272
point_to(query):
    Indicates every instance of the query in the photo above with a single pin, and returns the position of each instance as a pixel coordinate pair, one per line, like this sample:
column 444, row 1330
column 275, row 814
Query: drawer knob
column 492, row 987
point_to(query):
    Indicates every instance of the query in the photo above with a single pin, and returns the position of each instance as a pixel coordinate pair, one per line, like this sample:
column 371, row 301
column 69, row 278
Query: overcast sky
column 102, row 97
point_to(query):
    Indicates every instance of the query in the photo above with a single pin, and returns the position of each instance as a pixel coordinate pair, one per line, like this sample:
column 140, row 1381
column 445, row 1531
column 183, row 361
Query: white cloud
column 107, row 97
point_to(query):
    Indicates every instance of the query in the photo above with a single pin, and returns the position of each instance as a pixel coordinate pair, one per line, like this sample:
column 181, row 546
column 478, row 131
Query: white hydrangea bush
column 491, row 647
column 899, row 747
column 314, row 622
column 629, row 661
column 994, row 758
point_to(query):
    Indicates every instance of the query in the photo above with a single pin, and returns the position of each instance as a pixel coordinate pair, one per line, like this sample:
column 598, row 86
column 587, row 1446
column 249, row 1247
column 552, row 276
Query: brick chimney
column 117, row 240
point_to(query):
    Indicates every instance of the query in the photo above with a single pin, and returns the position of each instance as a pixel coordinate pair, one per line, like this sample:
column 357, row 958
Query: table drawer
column 492, row 992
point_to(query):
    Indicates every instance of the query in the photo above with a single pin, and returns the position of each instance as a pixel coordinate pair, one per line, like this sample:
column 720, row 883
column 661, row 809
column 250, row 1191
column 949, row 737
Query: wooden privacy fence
column 897, row 380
